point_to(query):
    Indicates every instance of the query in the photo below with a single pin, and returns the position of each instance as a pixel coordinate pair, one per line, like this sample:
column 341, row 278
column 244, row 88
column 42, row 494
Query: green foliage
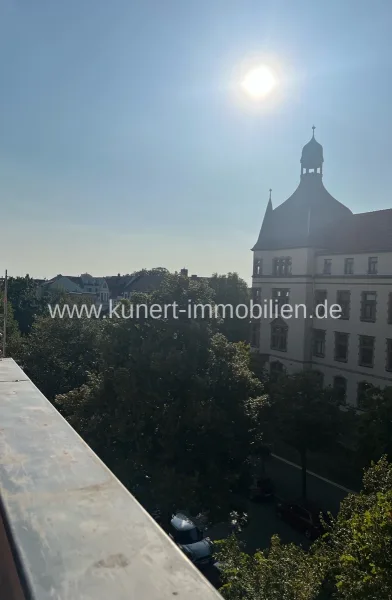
column 231, row 289
column 13, row 339
column 284, row 572
column 59, row 353
column 27, row 299
column 173, row 408
column 358, row 547
column 374, row 425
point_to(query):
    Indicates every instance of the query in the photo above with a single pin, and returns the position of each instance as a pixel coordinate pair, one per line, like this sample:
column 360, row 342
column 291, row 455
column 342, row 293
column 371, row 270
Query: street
column 263, row 521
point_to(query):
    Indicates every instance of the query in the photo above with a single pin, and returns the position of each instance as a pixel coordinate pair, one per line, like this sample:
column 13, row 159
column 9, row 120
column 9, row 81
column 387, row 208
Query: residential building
column 312, row 249
column 85, row 285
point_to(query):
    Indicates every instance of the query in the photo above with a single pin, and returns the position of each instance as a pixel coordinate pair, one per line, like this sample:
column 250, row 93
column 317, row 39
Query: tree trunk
column 303, row 472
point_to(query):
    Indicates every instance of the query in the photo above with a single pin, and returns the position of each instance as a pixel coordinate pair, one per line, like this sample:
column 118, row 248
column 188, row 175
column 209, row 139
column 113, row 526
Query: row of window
column 281, row 266
column 349, row 266
column 366, row 348
column 339, row 384
column 281, row 296
column 343, row 299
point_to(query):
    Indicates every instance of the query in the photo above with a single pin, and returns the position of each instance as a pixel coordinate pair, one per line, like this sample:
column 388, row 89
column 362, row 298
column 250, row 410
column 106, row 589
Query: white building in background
column 310, row 249
column 84, row 285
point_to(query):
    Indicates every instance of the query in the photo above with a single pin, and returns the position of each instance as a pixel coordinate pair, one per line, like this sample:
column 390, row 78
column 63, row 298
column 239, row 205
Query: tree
column 27, row 299
column 374, row 425
column 232, row 291
column 173, row 409
column 305, row 415
column 283, row 572
column 13, row 340
column 358, row 547
column 59, row 353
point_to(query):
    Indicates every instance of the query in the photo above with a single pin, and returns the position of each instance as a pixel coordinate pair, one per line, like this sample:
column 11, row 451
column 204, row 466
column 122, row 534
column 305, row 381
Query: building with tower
column 312, row 249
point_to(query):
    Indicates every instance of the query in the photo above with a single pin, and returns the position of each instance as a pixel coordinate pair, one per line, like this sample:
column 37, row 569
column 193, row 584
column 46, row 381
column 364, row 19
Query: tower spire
column 313, row 131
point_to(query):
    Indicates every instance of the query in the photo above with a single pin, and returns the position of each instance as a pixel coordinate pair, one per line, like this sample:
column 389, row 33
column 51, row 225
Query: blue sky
column 124, row 144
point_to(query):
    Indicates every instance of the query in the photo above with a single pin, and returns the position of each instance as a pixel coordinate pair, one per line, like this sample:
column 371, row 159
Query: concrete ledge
column 75, row 531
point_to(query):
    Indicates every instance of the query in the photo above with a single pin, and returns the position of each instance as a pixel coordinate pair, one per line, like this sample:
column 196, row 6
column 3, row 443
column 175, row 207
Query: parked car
column 261, row 489
column 303, row 517
column 191, row 540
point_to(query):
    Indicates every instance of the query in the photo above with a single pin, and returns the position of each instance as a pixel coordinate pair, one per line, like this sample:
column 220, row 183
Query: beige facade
column 302, row 258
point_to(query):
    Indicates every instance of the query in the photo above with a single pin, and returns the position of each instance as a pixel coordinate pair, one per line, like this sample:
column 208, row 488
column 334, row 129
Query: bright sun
column 259, row 82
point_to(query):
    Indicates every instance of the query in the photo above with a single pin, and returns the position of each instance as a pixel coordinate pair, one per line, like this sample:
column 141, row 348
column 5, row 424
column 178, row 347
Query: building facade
column 311, row 251
column 94, row 288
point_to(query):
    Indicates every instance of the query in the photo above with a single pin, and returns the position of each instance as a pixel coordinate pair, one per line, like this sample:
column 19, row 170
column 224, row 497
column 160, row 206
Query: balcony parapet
column 74, row 532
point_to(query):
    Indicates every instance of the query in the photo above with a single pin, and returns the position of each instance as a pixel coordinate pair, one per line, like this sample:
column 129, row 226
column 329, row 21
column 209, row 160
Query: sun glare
column 259, row 82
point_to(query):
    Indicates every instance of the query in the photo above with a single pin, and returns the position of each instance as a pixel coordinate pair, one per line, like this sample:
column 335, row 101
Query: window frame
column 282, row 335
column 372, row 265
column 347, row 337
column 345, row 316
column 281, row 266
column 349, row 261
column 327, row 262
column 255, row 327
column 337, row 389
column 388, row 357
column 361, row 339
column 257, row 267
column 367, row 303
column 322, row 341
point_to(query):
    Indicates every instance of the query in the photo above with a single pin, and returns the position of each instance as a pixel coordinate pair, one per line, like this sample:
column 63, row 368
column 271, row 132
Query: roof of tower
column 312, row 154
column 301, row 220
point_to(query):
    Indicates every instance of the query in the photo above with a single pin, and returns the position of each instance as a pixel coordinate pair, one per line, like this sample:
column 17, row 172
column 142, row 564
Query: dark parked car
column 191, row 540
column 261, row 489
column 304, row 518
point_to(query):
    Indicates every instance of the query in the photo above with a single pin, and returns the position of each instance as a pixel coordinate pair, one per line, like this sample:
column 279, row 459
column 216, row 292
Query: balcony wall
column 71, row 530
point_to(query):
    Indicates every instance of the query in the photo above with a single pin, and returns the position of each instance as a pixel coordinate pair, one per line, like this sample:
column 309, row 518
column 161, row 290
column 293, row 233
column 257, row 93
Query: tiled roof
column 362, row 232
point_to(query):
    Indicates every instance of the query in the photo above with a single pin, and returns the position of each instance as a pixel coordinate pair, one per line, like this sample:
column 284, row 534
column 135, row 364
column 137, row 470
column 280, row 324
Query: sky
column 125, row 142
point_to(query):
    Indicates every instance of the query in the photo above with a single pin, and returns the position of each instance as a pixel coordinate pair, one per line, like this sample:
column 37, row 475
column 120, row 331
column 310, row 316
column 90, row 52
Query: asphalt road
column 263, row 521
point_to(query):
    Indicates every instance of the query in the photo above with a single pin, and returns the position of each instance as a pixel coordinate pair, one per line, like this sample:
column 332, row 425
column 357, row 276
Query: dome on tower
column 312, row 154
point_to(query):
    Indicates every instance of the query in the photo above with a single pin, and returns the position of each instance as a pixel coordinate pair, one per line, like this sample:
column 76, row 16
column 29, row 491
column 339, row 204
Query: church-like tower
column 312, row 158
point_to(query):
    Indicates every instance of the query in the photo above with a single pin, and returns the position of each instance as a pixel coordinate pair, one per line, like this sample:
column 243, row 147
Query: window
column 388, row 366
column 279, row 336
column 349, row 266
column 320, row 297
column 280, row 296
column 255, row 335
column 319, row 342
column 256, row 295
column 282, row 266
column 341, row 346
column 366, row 350
column 362, row 393
column 368, row 306
column 340, row 388
column 390, row 308
column 257, row 267
column 276, row 369
column 327, row 266
column 372, row 265
column 319, row 378
column 343, row 299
